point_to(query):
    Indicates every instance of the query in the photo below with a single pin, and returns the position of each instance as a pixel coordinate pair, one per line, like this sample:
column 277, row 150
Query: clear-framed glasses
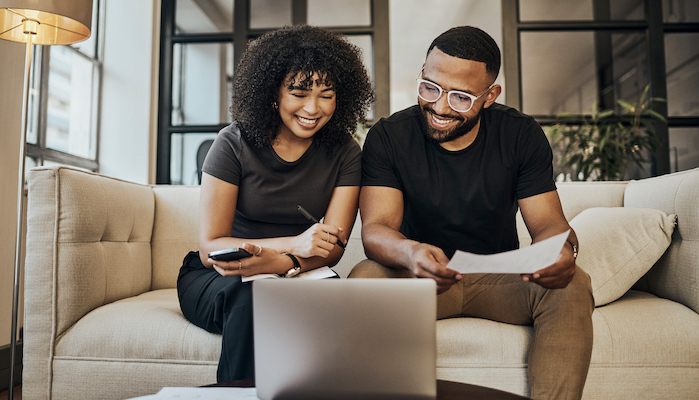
column 459, row 101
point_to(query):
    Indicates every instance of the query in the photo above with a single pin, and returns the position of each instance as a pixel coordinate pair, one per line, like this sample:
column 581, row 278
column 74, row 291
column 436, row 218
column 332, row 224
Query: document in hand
column 526, row 260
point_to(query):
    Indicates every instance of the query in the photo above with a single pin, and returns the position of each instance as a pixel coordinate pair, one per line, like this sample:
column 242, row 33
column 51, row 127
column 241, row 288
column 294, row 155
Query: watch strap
column 296, row 269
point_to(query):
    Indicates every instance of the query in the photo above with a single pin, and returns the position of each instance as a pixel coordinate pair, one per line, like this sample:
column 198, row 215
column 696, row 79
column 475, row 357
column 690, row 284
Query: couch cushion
column 145, row 327
column 639, row 331
column 618, row 245
column 175, row 229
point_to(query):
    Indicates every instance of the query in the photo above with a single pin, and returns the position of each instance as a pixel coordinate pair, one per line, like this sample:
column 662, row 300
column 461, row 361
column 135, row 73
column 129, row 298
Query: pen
column 313, row 219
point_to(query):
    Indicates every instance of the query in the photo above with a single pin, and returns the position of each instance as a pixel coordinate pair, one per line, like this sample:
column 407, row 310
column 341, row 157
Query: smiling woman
column 298, row 95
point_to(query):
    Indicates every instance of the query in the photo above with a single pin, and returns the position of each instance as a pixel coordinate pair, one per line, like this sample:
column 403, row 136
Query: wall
column 415, row 23
column 127, row 97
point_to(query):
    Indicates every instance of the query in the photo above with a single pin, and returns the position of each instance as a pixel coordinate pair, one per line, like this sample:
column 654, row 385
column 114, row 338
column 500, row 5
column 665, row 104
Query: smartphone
column 229, row 254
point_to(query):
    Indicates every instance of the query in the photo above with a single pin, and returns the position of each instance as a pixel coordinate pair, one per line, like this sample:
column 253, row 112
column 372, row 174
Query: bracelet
column 296, row 269
column 575, row 249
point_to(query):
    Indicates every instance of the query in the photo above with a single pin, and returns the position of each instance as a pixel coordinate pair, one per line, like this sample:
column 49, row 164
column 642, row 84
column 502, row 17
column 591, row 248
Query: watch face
column 292, row 272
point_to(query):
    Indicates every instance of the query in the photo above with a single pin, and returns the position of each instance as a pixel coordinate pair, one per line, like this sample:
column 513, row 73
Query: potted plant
column 601, row 146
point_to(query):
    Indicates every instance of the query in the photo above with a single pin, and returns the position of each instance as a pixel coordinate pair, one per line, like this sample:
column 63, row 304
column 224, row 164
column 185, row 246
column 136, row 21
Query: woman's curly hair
column 301, row 51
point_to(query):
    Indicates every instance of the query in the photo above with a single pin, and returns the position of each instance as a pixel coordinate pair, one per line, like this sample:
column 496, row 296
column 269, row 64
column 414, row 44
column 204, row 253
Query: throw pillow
column 618, row 245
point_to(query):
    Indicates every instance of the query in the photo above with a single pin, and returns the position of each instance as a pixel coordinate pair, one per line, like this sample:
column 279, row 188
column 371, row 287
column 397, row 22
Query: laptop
column 345, row 338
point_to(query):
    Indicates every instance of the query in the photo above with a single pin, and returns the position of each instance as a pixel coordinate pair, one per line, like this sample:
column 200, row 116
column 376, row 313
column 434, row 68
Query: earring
column 275, row 106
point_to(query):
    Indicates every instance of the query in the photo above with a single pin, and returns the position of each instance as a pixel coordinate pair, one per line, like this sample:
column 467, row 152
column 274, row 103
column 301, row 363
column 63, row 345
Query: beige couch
column 102, row 319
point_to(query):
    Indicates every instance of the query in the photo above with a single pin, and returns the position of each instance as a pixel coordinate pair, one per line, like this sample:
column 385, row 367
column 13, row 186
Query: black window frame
column 653, row 26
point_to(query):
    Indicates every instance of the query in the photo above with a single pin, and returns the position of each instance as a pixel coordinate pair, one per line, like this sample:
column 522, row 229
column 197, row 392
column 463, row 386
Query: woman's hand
column 263, row 261
column 318, row 240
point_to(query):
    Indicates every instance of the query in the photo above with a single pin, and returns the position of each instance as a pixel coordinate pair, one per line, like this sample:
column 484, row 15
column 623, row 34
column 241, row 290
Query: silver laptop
column 345, row 338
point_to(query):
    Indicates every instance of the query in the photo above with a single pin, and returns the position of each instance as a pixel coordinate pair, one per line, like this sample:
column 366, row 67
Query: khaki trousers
column 559, row 356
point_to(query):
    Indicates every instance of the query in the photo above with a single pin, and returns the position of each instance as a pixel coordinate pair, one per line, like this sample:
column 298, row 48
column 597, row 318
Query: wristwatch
column 296, row 269
column 575, row 249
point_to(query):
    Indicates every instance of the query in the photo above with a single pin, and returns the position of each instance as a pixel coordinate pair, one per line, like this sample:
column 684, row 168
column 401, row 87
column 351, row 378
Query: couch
column 102, row 319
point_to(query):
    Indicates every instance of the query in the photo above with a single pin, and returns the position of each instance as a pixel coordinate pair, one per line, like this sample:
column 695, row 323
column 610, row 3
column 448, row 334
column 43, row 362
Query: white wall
column 11, row 81
column 413, row 26
column 125, row 140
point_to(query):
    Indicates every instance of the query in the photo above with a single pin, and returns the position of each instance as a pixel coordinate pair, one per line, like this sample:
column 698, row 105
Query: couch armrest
column 676, row 275
column 88, row 244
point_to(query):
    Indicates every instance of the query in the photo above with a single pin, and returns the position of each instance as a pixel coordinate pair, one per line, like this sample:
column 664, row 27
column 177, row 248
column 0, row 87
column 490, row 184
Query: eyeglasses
column 459, row 101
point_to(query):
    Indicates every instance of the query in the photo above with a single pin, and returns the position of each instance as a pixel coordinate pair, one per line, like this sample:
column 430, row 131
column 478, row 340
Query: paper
column 208, row 393
column 318, row 273
column 526, row 260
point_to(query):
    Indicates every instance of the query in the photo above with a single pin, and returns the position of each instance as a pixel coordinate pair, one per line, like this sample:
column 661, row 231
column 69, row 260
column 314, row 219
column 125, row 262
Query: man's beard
column 443, row 136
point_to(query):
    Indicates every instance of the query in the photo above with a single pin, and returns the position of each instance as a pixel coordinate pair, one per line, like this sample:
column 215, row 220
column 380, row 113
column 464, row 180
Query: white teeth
column 306, row 120
column 440, row 121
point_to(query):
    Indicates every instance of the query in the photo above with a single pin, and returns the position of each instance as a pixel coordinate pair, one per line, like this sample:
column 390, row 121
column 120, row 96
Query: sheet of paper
column 318, row 273
column 521, row 261
column 208, row 393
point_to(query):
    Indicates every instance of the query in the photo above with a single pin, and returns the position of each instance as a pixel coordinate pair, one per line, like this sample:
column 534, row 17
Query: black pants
column 220, row 305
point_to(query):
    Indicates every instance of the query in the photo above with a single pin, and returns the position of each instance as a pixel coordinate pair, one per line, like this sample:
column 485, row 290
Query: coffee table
column 446, row 390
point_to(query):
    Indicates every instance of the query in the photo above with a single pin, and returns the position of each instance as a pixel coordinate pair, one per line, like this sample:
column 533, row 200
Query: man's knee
column 372, row 269
column 581, row 288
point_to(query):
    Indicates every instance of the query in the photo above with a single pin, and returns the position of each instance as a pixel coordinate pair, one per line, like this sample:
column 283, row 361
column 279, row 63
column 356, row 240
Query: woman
column 298, row 95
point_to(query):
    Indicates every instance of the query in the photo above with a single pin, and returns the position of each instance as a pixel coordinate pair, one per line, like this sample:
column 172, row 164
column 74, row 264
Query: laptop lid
column 345, row 338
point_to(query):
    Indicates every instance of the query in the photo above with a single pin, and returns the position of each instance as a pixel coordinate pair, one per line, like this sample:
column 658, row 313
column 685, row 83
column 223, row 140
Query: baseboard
column 5, row 366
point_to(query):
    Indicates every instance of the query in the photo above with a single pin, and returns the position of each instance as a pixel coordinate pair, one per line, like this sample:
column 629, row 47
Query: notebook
column 345, row 338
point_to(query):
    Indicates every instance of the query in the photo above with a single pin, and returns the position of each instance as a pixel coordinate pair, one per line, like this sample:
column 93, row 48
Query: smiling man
column 450, row 174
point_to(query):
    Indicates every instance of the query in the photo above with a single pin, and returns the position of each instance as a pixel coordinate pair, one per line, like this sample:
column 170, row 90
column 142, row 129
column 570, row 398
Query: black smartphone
column 229, row 254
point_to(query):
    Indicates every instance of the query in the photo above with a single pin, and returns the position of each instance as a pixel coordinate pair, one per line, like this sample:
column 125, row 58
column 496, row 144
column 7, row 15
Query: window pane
column 630, row 65
column 684, row 149
column 33, row 103
column 183, row 156
column 626, row 10
column 560, row 10
column 558, row 72
column 202, row 79
column 681, row 10
column 365, row 43
column 682, row 66
column 339, row 13
column 211, row 16
column 270, row 13
column 71, row 112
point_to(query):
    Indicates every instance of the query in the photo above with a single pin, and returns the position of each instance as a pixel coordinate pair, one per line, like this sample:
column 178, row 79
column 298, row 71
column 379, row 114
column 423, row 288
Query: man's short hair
column 470, row 43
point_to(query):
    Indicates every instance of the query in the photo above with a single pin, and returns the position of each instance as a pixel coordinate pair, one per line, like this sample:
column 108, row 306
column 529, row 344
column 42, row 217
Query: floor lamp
column 44, row 22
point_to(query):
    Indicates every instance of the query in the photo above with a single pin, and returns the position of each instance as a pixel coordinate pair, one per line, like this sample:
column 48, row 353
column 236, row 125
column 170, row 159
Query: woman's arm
column 314, row 247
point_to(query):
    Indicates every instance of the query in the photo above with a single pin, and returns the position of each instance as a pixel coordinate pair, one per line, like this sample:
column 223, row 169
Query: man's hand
column 558, row 275
column 427, row 261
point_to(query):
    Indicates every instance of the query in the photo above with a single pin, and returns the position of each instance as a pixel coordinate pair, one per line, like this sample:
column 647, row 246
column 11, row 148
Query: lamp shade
column 51, row 21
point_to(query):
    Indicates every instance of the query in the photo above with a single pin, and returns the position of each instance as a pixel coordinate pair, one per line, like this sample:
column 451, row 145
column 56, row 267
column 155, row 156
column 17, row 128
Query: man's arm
column 544, row 218
column 381, row 209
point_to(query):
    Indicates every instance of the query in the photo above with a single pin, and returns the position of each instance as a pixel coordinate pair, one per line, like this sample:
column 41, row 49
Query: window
column 561, row 56
column 64, row 101
column 202, row 41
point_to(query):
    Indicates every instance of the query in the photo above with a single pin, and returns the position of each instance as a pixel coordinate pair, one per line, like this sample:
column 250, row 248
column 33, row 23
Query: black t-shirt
column 467, row 199
column 269, row 188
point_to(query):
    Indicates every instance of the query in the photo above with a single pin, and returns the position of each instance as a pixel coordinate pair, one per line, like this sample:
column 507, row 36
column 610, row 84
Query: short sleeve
column 223, row 159
column 377, row 163
column 351, row 167
column 535, row 160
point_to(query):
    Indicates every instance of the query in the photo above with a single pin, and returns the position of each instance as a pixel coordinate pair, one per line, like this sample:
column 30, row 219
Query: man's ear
column 493, row 94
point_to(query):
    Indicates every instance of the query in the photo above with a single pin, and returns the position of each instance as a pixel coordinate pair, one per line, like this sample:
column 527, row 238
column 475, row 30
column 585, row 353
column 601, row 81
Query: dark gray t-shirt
column 271, row 188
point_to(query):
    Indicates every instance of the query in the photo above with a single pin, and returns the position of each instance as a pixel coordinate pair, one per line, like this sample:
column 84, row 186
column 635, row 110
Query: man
column 449, row 174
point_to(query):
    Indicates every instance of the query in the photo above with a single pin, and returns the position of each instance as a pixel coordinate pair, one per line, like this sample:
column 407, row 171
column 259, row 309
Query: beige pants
column 559, row 356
